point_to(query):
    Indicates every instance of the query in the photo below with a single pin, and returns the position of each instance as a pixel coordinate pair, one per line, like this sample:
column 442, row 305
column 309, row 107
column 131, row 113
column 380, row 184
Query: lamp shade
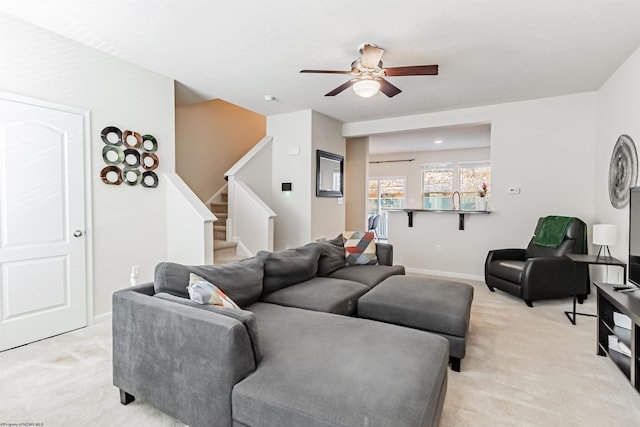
column 605, row 234
column 366, row 87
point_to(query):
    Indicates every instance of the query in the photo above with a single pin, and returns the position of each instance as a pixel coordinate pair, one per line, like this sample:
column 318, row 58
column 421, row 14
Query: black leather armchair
column 539, row 272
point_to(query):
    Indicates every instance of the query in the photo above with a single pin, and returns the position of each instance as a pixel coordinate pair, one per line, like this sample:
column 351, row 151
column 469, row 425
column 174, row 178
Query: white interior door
column 42, row 248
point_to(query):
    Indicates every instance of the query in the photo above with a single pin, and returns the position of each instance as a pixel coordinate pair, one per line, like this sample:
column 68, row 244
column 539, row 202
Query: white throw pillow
column 203, row 292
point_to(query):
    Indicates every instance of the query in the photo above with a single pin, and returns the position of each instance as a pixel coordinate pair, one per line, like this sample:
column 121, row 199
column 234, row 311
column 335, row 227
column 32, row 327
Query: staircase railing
column 189, row 224
column 250, row 219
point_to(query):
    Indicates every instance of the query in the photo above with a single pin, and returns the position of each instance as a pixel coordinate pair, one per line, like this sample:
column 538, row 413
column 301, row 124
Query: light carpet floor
column 524, row 367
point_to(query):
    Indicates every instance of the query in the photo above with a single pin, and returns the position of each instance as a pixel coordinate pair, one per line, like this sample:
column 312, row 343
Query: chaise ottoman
column 434, row 305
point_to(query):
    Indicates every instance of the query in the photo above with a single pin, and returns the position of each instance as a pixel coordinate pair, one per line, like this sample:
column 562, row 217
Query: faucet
column 456, row 207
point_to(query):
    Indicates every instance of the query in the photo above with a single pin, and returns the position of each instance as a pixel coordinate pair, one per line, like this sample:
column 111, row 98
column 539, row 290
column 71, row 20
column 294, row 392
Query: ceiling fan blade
column 325, row 71
column 416, row 70
column 388, row 89
column 341, row 87
column 371, row 56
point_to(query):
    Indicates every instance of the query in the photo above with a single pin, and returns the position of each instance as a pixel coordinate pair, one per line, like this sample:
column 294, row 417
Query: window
column 437, row 185
column 440, row 180
column 385, row 193
column 373, row 197
column 472, row 176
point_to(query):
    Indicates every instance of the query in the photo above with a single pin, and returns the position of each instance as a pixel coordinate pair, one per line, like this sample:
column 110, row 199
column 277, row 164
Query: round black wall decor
column 130, row 158
column 623, row 171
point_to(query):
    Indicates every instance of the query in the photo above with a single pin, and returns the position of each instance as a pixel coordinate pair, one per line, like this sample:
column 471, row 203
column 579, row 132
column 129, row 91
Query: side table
column 591, row 260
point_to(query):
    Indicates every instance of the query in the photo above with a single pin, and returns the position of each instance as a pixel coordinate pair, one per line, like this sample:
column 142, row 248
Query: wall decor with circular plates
column 111, row 135
column 623, row 171
column 149, row 144
column 130, row 158
column 111, row 175
column 149, row 161
column 131, row 139
column 149, row 179
column 112, row 155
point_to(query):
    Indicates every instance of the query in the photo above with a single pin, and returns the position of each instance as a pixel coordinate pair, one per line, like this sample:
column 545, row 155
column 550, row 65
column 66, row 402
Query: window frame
column 442, row 200
column 382, row 225
column 456, row 181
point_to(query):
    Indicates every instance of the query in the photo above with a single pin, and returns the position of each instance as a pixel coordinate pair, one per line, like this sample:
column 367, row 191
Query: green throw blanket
column 552, row 231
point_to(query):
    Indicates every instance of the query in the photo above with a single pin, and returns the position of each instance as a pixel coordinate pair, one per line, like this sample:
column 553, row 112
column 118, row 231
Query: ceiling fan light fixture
column 366, row 87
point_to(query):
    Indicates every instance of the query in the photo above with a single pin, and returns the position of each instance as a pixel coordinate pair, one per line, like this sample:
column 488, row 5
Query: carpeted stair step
column 227, row 259
column 219, row 232
column 222, row 218
column 222, row 248
column 219, row 207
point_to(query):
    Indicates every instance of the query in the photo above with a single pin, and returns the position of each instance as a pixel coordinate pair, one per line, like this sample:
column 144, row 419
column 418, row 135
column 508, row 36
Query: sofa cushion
column 331, row 256
column 320, row 369
column 430, row 304
column 369, row 275
column 247, row 318
column 203, row 292
column 289, row 266
column 240, row 280
column 320, row 294
column 360, row 247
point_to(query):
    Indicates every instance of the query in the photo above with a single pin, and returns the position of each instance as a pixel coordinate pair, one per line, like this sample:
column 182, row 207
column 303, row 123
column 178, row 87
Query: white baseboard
column 104, row 317
column 445, row 274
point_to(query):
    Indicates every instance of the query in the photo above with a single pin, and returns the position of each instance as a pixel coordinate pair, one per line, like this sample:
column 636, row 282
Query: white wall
column 128, row 222
column 545, row 146
column 303, row 217
column 618, row 113
column 327, row 214
column 257, row 171
column 291, row 131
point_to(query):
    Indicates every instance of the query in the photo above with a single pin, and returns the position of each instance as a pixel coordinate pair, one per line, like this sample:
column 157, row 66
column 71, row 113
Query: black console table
column 591, row 260
column 628, row 304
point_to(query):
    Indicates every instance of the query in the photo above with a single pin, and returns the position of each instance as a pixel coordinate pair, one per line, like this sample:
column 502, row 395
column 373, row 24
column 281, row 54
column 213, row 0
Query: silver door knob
column 77, row 233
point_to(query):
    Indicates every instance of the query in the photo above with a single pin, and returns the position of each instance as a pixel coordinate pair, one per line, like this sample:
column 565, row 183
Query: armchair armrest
column 182, row 360
column 506, row 254
column 384, row 252
column 502, row 254
column 548, row 277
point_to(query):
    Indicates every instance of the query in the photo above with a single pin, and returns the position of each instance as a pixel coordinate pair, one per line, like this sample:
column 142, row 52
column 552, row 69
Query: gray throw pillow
column 289, row 266
column 332, row 256
column 241, row 280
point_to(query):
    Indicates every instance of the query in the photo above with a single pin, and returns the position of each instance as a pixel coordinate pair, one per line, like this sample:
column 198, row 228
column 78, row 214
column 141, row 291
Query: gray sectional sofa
column 293, row 355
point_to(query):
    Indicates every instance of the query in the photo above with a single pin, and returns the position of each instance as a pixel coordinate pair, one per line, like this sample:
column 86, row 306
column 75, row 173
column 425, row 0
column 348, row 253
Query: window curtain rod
column 393, row 161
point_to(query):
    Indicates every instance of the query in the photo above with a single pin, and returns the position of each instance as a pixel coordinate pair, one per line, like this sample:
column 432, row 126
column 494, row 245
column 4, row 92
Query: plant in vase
column 481, row 204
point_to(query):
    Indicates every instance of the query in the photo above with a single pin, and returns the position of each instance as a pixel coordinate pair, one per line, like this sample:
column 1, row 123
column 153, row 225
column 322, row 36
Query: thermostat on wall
column 293, row 150
column 513, row 190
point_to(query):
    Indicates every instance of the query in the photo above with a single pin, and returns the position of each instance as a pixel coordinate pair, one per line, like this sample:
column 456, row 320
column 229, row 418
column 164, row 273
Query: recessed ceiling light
column 269, row 98
column 437, row 141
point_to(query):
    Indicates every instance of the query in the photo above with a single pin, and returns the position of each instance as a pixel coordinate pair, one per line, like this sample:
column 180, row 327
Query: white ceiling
column 489, row 51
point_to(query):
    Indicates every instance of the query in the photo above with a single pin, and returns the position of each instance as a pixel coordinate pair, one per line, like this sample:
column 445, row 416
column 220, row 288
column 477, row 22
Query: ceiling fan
column 369, row 73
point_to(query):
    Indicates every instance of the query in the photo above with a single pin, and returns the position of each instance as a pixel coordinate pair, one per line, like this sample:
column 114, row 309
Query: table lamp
column 604, row 235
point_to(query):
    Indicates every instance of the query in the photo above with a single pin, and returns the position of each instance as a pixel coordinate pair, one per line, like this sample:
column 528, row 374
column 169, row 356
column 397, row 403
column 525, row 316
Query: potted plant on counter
column 481, row 203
